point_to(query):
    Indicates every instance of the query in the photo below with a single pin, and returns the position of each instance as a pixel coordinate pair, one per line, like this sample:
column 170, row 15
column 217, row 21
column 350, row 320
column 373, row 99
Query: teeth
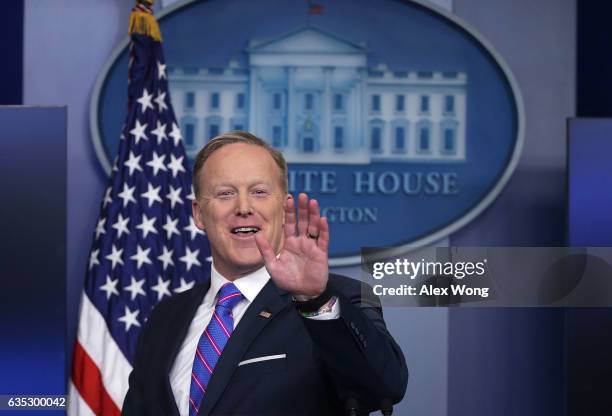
column 245, row 230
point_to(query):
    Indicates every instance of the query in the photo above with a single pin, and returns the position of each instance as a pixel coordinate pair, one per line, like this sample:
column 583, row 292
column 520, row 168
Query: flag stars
column 193, row 229
column 176, row 165
column 107, row 197
column 127, row 194
column 129, row 318
column 145, row 101
column 166, row 257
column 162, row 288
column 141, row 257
column 121, row 225
column 157, row 163
column 146, row 226
column 93, row 258
column 100, row 227
column 176, row 134
column 160, row 132
column 161, row 70
column 133, row 163
column 170, row 227
column 191, row 195
column 115, row 256
column 135, row 288
column 190, row 258
column 174, row 196
column 184, row 286
column 139, row 131
column 110, row 287
column 152, row 194
column 160, row 100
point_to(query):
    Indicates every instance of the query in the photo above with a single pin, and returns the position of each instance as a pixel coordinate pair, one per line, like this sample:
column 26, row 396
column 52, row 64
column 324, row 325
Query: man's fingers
column 323, row 241
column 290, row 220
column 302, row 214
column 314, row 217
column 265, row 249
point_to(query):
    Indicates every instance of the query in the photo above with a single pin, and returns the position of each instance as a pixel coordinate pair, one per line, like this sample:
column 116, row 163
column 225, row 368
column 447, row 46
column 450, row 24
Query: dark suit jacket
column 327, row 362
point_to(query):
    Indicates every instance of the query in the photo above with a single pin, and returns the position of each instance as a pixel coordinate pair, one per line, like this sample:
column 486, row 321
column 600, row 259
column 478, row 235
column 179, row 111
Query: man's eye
column 225, row 194
column 260, row 192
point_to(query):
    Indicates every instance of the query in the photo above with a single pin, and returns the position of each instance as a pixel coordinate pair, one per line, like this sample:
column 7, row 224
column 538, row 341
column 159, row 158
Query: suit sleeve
column 360, row 356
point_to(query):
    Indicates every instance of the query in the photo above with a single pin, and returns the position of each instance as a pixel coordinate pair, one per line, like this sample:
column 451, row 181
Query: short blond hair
column 238, row 136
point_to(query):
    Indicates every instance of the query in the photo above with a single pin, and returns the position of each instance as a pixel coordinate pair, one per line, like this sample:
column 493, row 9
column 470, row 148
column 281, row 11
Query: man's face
column 240, row 194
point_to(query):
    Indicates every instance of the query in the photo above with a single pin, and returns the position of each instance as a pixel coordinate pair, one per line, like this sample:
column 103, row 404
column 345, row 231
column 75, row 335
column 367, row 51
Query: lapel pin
column 265, row 314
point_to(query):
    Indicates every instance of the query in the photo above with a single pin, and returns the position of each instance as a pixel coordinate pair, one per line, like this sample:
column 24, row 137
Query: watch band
column 315, row 304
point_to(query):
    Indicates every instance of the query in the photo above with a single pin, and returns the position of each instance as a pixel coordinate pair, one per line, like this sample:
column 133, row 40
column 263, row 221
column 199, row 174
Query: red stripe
column 203, row 360
column 221, row 323
column 212, row 342
column 233, row 295
column 198, row 382
column 194, row 406
column 88, row 381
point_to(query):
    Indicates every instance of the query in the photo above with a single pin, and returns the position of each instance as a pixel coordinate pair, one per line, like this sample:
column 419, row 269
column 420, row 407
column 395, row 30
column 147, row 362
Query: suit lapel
column 270, row 299
column 183, row 319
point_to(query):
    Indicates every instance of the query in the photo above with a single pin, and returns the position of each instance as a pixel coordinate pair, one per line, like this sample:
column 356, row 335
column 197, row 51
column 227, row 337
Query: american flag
column 146, row 246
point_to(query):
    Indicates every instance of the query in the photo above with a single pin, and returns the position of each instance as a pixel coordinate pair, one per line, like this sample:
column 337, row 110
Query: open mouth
column 245, row 230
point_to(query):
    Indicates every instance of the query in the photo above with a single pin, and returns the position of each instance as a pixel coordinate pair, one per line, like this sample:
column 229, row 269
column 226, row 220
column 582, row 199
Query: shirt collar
column 249, row 285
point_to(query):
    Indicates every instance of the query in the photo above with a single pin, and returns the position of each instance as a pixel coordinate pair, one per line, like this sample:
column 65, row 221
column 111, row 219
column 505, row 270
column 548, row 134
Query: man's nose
column 243, row 207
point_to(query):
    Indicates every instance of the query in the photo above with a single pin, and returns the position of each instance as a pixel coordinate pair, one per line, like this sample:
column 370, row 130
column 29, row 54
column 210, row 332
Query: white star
column 133, row 163
column 107, row 197
column 93, row 258
column 160, row 132
column 157, row 163
column 176, row 134
column 160, row 100
column 139, row 131
column 190, row 258
column 127, row 194
column 209, row 259
column 110, row 287
column 135, row 288
column 193, row 229
column 184, row 286
column 170, row 227
column 129, row 318
column 166, row 257
column 174, row 196
column 161, row 70
column 147, row 226
column 141, row 256
column 115, row 256
column 152, row 194
column 145, row 101
column 191, row 196
column 121, row 225
column 161, row 288
column 100, row 227
column 176, row 165
column 115, row 164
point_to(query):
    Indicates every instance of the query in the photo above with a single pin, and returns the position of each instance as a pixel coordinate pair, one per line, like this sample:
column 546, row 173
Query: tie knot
column 229, row 296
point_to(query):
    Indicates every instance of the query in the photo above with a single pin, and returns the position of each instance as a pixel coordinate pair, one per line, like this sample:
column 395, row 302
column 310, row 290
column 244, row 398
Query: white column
column 326, row 121
column 291, row 140
column 252, row 124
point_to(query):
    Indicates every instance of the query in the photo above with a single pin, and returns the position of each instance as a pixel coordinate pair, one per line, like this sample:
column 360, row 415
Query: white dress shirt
column 249, row 285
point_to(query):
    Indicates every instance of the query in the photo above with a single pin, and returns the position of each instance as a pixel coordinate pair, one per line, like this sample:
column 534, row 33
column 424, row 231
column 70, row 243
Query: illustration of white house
column 312, row 95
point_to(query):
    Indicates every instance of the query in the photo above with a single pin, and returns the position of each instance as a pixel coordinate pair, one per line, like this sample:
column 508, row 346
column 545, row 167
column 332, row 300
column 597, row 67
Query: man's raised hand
column 301, row 268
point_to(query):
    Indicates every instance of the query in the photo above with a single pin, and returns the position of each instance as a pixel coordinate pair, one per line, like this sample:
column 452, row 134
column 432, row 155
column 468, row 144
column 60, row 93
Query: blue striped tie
column 211, row 344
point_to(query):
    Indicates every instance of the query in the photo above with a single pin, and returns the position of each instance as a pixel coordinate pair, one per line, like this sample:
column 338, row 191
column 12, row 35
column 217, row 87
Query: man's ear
column 197, row 215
